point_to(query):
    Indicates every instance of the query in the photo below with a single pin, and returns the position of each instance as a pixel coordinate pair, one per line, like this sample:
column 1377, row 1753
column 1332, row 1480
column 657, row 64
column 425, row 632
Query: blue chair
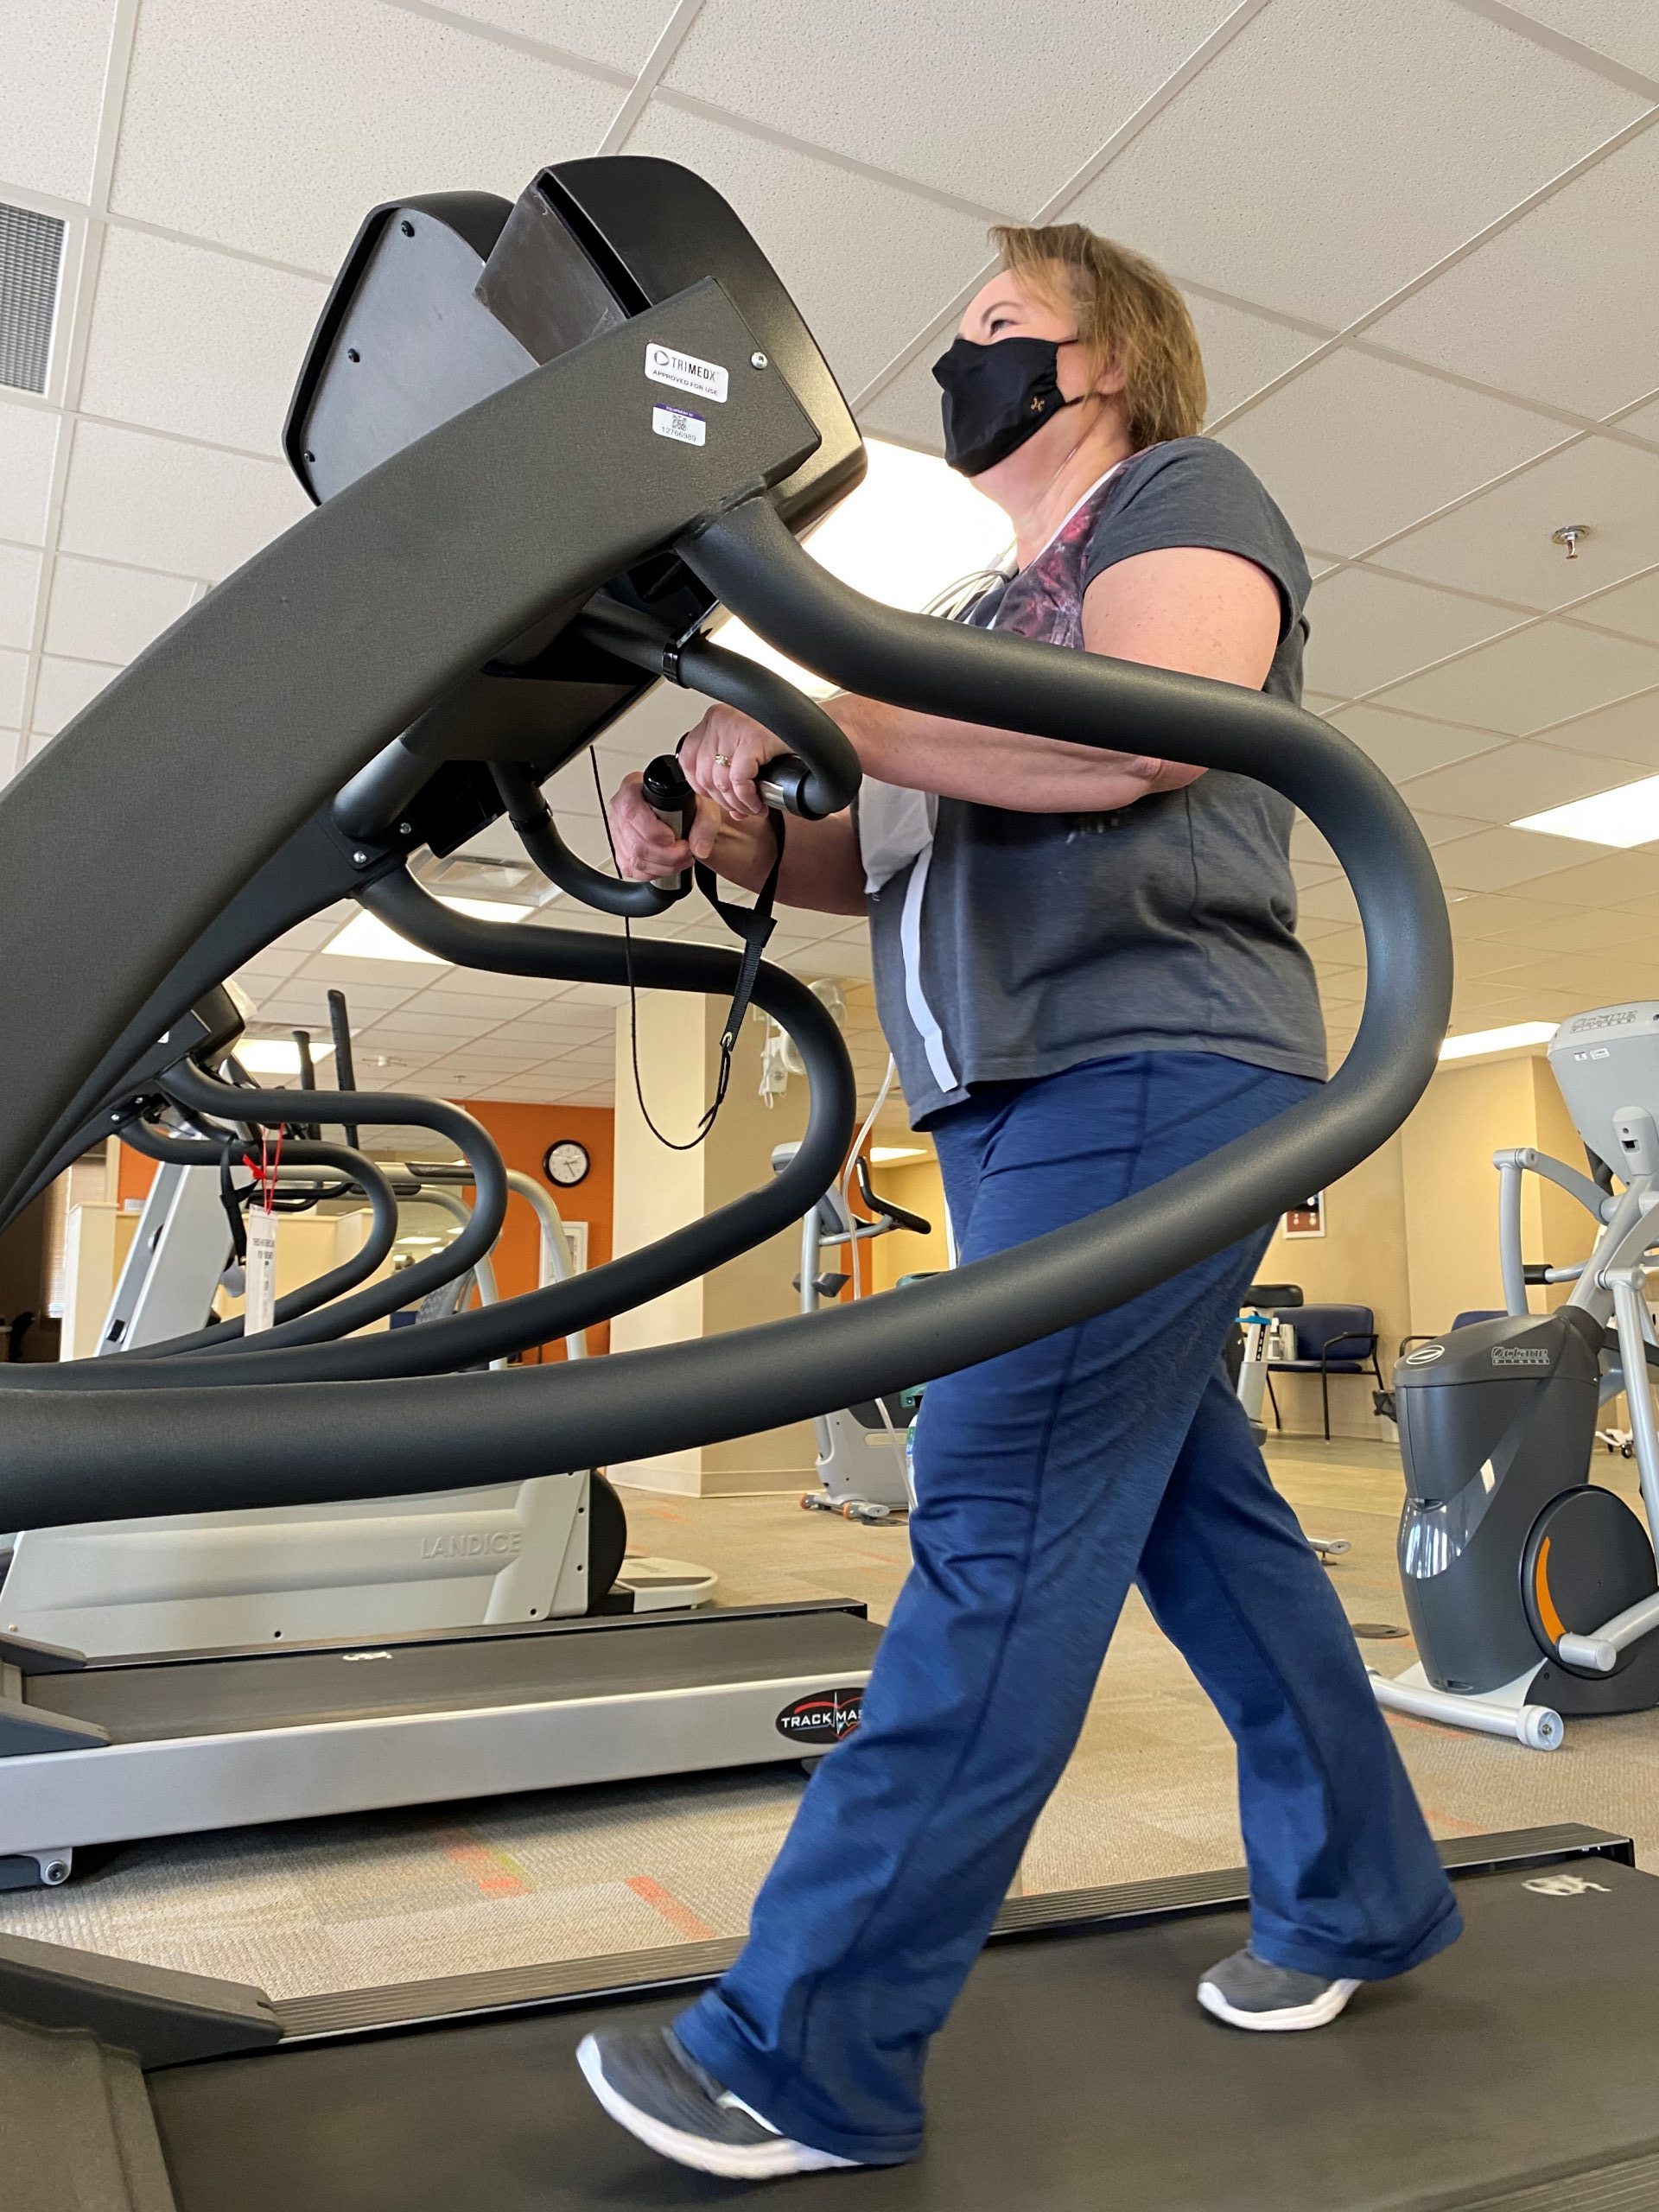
column 1330, row 1340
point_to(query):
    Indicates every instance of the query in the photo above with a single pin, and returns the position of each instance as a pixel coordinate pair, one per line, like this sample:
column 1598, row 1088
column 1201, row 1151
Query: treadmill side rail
column 27, row 1729
column 118, row 1792
column 29, row 1657
column 162, row 2017
column 95, row 2143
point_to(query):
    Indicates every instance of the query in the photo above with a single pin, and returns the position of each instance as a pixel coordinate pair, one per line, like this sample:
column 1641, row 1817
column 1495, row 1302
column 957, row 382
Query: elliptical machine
column 1532, row 1592
column 863, row 1467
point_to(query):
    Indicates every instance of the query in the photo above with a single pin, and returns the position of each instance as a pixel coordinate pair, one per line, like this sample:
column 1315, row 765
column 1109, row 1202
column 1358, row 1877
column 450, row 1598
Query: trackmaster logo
column 824, row 1717
column 1519, row 1355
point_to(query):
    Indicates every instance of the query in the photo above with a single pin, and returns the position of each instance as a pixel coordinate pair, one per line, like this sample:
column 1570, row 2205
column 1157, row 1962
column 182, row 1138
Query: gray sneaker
column 650, row 2084
column 1247, row 1992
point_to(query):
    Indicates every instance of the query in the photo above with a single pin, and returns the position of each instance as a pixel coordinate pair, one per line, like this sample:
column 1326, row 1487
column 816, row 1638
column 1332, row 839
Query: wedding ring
column 722, row 760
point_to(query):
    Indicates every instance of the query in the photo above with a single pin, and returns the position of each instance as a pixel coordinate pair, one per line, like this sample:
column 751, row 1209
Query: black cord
column 673, row 1144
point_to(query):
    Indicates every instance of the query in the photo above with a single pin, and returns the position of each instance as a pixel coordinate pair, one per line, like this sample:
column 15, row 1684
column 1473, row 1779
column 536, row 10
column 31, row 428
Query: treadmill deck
column 1520, row 2071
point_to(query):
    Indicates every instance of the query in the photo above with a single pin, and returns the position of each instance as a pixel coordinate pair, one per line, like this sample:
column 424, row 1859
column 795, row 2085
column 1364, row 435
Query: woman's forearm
column 998, row 768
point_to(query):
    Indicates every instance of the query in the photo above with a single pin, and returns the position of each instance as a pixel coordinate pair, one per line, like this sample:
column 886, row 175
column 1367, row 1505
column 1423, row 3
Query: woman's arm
column 1186, row 607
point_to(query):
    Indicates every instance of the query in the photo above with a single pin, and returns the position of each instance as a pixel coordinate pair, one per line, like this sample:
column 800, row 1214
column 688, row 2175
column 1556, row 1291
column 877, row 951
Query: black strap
column 231, row 1199
column 753, row 924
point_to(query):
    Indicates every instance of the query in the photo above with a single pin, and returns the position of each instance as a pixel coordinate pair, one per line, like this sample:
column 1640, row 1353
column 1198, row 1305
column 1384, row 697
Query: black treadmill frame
column 74, row 2107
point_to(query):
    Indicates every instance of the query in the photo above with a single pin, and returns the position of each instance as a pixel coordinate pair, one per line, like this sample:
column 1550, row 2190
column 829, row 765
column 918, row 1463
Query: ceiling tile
column 1626, row 731
column 249, row 325
column 1500, row 542
column 1243, row 351
column 1632, row 609
column 907, row 410
column 1582, row 932
column 898, row 87
column 1614, row 973
column 1479, row 961
column 1266, row 176
column 1409, row 443
column 1477, row 916
column 619, row 32
column 64, row 687
column 1530, row 678
column 1496, row 858
column 277, row 129
column 867, row 262
column 52, row 62
column 1595, row 878
column 1625, row 30
column 1442, row 829
column 1516, row 779
column 28, row 444
column 1365, row 629
column 1331, row 902
column 1583, row 265
column 98, row 612
column 19, row 578
column 1643, row 422
column 14, row 677
column 157, row 501
column 1404, row 745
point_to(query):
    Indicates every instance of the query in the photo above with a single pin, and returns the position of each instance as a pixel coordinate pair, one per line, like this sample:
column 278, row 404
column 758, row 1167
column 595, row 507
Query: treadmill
column 567, row 430
column 1515, row 2072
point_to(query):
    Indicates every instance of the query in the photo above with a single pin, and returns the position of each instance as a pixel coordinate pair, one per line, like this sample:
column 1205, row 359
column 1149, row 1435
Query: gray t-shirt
column 1016, row 946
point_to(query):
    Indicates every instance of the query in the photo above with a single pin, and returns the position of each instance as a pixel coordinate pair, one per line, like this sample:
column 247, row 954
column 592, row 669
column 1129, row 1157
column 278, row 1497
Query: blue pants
column 1048, row 1480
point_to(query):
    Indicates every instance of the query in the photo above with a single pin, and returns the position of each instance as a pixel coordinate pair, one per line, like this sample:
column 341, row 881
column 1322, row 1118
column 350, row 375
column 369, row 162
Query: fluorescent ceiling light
column 366, row 937
column 1628, row 815
column 277, row 1055
column 1478, row 1042
column 912, row 528
column 888, row 1155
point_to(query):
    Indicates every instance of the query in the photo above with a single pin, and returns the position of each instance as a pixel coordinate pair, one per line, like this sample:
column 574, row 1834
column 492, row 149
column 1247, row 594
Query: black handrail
column 558, row 1309
column 165, row 1453
column 335, row 1282
column 189, row 1087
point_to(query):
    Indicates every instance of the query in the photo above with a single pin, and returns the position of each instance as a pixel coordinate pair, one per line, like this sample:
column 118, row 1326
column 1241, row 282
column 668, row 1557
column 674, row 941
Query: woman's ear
column 1113, row 377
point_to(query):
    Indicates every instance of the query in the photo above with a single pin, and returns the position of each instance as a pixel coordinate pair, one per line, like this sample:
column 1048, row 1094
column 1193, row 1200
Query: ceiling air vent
column 31, row 253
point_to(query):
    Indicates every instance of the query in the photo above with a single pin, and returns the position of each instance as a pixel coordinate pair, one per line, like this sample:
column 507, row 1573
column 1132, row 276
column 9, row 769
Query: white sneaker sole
column 729, row 2161
column 1319, row 2014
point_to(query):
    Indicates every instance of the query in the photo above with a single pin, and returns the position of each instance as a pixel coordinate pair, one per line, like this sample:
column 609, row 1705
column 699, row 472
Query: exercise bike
column 1531, row 1591
column 863, row 1466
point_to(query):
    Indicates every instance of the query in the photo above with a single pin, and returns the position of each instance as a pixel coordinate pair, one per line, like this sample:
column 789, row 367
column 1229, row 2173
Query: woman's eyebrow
column 993, row 306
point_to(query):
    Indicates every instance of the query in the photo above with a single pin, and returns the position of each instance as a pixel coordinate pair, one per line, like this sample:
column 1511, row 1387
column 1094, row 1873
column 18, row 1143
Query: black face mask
column 996, row 397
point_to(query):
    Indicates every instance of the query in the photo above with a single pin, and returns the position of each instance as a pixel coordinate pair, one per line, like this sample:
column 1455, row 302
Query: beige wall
column 657, row 1190
column 1412, row 1233
column 1451, row 1187
column 916, row 1185
column 1360, row 1260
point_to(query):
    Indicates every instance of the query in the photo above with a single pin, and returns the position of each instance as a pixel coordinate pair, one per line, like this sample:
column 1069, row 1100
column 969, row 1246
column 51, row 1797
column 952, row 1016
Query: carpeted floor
column 339, row 1904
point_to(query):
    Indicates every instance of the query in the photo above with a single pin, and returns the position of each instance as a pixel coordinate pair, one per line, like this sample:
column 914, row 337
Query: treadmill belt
column 211, row 1697
column 1077, row 2074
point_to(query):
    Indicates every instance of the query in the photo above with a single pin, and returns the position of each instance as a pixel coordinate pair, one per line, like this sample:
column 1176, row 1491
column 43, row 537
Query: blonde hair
column 1128, row 313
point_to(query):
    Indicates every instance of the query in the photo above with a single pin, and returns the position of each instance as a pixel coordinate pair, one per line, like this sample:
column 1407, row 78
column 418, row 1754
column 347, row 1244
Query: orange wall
column 522, row 1134
column 136, row 1174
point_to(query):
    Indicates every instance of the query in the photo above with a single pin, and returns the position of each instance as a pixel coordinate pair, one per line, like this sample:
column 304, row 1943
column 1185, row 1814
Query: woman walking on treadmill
column 1087, row 967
